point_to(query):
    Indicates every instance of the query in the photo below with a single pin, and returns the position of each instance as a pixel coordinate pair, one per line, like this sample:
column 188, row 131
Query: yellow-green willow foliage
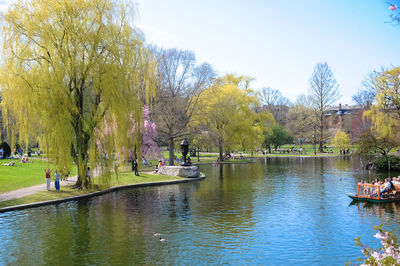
column 385, row 114
column 226, row 111
column 341, row 140
column 73, row 73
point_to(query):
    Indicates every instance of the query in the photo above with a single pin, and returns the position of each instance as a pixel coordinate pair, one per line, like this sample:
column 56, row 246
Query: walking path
column 19, row 193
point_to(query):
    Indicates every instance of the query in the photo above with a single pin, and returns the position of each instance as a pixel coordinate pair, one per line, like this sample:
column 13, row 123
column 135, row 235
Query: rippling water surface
column 272, row 212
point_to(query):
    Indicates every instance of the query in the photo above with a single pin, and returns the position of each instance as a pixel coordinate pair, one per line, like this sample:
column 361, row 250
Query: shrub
column 6, row 149
column 382, row 163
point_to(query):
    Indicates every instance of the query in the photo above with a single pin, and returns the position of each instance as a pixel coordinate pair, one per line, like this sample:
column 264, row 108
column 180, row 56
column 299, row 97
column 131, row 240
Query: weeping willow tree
column 74, row 73
column 385, row 113
column 226, row 111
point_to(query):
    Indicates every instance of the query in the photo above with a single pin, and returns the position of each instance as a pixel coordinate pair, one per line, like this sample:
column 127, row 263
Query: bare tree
column 299, row 121
column 366, row 94
column 180, row 82
column 269, row 97
column 275, row 102
column 324, row 91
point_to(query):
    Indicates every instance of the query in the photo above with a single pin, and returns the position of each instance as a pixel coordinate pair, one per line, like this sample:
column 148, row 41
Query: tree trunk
column 321, row 131
column 81, row 142
column 81, row 160
column 221, row 148
column 171, row 150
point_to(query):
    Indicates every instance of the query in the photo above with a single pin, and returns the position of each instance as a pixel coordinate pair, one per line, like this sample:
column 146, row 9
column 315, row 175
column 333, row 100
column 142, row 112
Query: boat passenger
column 388, row 186
column 365, row 188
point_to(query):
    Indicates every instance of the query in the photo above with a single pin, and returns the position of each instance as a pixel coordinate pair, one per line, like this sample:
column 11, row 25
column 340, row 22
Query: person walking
column 48, row 179
column 136, row 167
column 89, row 176
column 57, row 181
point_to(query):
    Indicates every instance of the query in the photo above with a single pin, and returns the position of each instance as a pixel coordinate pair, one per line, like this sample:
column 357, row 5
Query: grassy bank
column 124, row 178
column 23, row 175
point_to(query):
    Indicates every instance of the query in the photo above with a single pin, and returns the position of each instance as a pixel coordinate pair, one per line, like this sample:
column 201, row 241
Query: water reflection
column 275, row 211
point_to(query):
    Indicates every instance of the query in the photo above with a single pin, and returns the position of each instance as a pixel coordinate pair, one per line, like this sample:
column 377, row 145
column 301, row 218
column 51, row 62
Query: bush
column 6, row 149
column 382, row 163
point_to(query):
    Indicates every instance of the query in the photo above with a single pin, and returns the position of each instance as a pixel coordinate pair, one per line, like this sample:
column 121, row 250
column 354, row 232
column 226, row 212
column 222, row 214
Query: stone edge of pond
column 98, row 193
column 228, row 162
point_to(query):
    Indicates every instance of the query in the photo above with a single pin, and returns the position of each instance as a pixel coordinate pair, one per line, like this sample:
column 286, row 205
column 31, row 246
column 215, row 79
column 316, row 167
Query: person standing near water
column 136, row 167
column 48, row 171
column 57, row 181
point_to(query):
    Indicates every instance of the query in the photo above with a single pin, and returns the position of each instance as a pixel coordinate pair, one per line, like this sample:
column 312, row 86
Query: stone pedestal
column 182, row 171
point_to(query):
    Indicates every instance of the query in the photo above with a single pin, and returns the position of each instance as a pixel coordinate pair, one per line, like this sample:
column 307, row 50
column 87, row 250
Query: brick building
column 348, row 118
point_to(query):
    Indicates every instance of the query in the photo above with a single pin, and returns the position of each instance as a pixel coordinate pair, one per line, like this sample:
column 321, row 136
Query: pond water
column 276, row 211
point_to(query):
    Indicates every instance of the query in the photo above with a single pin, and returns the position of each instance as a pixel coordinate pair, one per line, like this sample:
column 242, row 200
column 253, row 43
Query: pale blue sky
column 278, row 42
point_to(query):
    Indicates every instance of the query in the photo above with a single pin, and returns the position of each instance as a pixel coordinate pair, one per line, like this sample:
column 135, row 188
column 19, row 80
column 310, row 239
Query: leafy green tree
column 369, row 144
column 68, row 68
column 276, row 137
column 383, row 163
column 225, row 110
column 385, row 113
column 341, row 140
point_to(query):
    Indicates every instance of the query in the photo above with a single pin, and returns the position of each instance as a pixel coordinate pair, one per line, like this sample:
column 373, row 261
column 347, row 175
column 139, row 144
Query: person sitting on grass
column 25, row 160
column 12, row 163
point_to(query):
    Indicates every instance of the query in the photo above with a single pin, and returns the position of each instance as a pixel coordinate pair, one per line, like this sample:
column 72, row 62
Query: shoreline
column 101, row 192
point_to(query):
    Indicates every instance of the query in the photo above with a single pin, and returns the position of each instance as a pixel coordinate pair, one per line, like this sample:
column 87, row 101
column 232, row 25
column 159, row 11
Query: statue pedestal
column 182, row 171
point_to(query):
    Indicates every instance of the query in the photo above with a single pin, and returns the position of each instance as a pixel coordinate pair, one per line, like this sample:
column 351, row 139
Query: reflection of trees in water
column 123, row 223
column 115, row 228
column 360, row 173
column 81, row 235
column 118, row 228
column 386, row 212
column 227, row 197
column 342, row 163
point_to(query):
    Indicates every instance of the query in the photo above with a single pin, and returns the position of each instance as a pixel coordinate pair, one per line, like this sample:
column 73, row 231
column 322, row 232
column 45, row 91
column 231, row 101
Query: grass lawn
column 124, row 178
column 210, row 157
column 23, row 174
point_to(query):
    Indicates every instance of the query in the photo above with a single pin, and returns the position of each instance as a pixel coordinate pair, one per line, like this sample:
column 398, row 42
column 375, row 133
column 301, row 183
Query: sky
column 278, row 43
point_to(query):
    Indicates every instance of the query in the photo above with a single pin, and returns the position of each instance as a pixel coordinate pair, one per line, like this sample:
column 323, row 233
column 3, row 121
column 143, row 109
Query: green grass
column 124, row 178
column 65, row 192
column 210, row 157
column 128, row 178
column 23, row 174
column 204, row 158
